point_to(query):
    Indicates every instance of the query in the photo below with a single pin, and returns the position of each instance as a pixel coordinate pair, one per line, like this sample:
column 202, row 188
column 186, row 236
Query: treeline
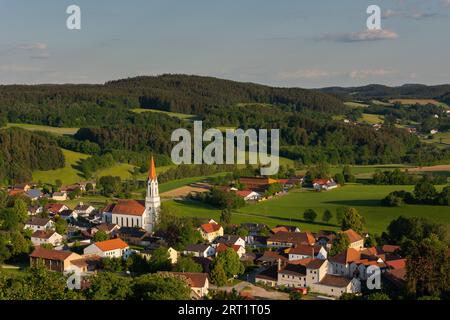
column 424, row 193
column 398, row 177
column 22, row 151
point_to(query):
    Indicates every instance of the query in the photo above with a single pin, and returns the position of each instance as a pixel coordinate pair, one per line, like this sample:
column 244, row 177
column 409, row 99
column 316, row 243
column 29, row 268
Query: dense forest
column 21, row 152
column 309, row 133
column 376, row 91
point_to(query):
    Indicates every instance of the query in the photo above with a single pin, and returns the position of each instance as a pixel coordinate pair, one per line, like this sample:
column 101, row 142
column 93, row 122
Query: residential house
column 200, row 250
column 302, row 251
column 83, row 210
column 258, row 184
column 40, row 237
column 109, row 228
column 254, row 229
column 268, row 277
column 198, row 282
column 114, row 248
column 290, row 239
column 211, row 230
column 340, row 263
column 55, row 208
column 134, row 236
column 272, row 258
column 35, row 224
column 60, row 196
column 222, row 247
column 325, row 238
column 231, row 240
column 34, row 210
column 171, row 252
column 356, row 240
column 334, row 285
column 68, row 215
column 33, row 194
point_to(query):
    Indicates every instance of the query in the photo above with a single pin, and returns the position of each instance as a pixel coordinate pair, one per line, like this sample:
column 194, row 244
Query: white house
column 198, row 282
column 35, row 224
column 200, row 250
column 340, row 263
column 59, row 196
column 304, row 251
column 211, row 231
column 114, row 248
column 83, row 210
column 46, row 237
column 231, row 240
column 68, row 215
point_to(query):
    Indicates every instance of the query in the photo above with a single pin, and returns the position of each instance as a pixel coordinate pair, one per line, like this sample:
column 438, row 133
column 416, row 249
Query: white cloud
column 363, row 74
column 366, row 35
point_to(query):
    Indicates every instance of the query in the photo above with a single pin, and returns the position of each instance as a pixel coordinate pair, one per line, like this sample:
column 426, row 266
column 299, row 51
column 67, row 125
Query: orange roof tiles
column 49, row 254
column 210, row 227
column 353, row 236
column 129, row 207
column 112, row 244
column 346, row 256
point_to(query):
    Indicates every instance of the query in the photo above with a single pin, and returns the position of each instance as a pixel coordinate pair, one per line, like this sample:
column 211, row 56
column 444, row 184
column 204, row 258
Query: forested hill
column 22, row 151
column 192, row 94
column 376, row 91
column 77, row 105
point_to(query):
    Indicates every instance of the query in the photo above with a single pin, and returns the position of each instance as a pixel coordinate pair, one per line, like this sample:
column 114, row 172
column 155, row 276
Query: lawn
column 34, row 127
column 442, row 138
column 288, row 209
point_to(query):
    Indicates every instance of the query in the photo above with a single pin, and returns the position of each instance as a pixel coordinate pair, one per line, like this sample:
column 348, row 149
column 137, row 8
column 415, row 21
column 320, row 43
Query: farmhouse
column 60, row 196
column 258, row 184
column 199, row 250
column 302, row 251
column 324, row 184
column 53, row 260
column 55, row 208
column 248, row 195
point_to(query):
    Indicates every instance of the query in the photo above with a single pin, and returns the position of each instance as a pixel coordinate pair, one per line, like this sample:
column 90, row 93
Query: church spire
column 152, row 170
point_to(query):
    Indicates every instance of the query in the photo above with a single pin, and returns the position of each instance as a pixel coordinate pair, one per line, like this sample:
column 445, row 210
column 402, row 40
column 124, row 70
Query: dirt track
column 445, row 167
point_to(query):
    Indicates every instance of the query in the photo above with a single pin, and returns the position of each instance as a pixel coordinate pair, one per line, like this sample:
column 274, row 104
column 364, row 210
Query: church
column 136, row 213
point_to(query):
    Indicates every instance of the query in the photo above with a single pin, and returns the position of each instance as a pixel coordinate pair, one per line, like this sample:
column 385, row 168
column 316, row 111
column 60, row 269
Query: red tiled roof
column 194, row 279
column 129, row 207
column 112, row 244
column 390, row 248
column 210, row 227
column 54, row 207
column 321, row 181
column 42, row 234
column 305, row 250
column 335, row 281
column 42, row 253
column 397, row 264
column 279, row 229
column 353, row 236
column 346, row 256
column 293, row 237
column 244, row 193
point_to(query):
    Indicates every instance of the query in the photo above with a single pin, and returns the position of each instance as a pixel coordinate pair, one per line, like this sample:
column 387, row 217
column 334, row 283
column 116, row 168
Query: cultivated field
column 416, row 101
column 186, row 190
column 34, row 127
column 170, row 114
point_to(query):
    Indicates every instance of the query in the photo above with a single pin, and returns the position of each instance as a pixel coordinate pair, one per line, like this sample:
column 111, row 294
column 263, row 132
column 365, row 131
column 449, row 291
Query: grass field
column 34, row 127
column 353, row 104
column 67, row 175
column 288, row 209
column 442, row 138
column 372, row 118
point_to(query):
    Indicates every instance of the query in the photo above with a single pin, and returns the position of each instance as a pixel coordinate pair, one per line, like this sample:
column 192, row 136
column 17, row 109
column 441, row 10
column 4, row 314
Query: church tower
column 152, row 200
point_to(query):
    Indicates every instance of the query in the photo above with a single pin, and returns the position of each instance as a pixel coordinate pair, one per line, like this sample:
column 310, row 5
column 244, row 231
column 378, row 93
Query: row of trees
column 424, row 193
column 398, row 177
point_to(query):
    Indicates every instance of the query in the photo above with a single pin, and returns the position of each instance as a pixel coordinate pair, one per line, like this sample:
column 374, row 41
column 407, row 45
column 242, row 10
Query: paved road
column 257, row 292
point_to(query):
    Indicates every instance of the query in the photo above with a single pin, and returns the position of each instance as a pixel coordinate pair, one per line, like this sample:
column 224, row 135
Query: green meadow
column 289, row 208
column 34, row 127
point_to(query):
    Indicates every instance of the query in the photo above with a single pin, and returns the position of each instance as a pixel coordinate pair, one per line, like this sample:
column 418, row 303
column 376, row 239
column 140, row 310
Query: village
column 276, row 263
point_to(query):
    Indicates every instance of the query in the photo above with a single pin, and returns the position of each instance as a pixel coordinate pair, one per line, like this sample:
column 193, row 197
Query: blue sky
column 284, row 42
